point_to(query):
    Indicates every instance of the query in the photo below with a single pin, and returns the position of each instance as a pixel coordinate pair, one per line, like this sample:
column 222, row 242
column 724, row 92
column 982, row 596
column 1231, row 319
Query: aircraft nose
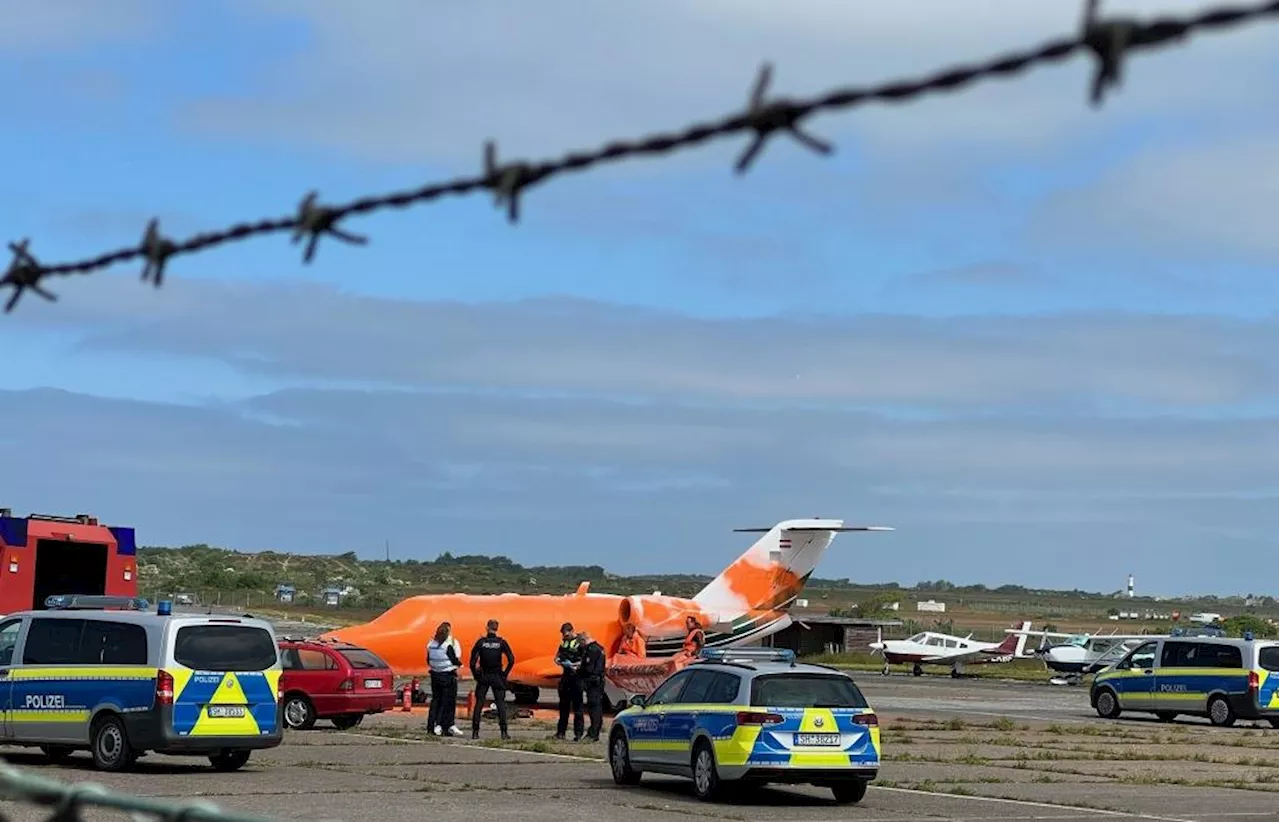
column 876, row 646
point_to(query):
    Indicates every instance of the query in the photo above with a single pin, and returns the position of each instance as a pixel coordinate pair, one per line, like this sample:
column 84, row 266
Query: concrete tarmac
column 954, row 750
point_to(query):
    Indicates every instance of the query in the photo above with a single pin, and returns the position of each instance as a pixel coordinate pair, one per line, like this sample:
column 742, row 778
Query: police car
column 1215, row 677
column 103, row 674
column 754, row 717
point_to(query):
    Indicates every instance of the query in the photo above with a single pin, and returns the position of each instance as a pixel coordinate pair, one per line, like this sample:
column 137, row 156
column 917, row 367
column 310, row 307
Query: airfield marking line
column 477, row 747
column 1086, row 811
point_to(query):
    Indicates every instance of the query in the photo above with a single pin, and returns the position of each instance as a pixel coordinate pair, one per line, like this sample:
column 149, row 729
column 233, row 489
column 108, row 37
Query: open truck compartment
column 43, row 555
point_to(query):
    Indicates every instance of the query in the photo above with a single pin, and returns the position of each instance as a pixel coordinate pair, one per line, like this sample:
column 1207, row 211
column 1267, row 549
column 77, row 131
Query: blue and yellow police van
column 106, row 675
column 1221, row 678
column 750, row 717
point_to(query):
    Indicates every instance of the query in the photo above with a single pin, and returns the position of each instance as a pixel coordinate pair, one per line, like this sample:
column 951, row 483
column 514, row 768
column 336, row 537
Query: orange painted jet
column 749, row 600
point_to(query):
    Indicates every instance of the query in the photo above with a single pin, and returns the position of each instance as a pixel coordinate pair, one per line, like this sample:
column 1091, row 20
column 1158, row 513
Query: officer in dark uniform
column 592, row 675
column 491, row 662
column 569, row 658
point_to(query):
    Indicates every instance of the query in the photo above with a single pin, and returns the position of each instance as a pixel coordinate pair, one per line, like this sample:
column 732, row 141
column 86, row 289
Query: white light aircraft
column 932, row 648
column 1075, row 655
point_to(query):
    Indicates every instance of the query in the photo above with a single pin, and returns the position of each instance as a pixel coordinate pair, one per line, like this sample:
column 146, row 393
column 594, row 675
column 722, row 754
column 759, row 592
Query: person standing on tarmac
column 444, row 658
column 569, row 658
column 491, row 662
column 592, row 675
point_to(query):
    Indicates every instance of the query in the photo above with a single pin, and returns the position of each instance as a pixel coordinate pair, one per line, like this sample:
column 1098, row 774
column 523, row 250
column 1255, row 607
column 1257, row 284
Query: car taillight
column 866, row 719
column 758, row 718
column 347, row 685
column 164, row 688
column 1253, row 681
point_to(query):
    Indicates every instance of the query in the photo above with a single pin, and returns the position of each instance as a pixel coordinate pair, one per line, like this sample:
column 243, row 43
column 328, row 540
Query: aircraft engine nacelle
column 661, row 615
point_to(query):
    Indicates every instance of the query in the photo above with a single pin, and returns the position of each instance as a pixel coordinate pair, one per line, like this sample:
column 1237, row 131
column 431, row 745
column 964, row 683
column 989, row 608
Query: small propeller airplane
column 1075, row 655
column 932, row 648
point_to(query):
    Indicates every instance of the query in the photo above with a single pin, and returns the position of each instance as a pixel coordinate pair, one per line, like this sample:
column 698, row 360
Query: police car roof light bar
column 90, row 602
column 164, row 608
column 748, row 655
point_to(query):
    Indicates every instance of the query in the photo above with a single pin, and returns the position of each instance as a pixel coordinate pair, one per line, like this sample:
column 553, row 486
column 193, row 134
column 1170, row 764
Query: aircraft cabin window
column 950, row 643
column 935, row 642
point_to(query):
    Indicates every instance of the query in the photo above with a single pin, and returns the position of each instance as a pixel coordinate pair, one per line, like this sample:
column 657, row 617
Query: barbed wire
column 1109, row 40
column 67, row 801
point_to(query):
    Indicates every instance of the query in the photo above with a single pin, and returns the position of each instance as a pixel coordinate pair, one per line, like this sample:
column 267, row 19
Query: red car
column 333, row 681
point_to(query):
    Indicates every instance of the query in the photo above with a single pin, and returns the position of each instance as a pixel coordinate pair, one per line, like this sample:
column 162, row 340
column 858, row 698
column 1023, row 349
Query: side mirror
column 637, row 701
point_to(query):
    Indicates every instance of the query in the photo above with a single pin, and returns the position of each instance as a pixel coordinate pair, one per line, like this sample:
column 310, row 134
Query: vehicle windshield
column 362, row 659
column 225, row 648
column 917, row 638
column 806, row 691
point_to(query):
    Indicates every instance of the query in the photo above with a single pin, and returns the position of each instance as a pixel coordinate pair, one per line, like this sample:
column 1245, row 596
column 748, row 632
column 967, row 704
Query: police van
column 103, row 674
column 1215, row 677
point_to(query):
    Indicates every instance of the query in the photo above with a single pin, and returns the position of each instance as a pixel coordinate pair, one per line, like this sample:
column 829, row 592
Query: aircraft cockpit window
column 917, row 638
column 935, row 641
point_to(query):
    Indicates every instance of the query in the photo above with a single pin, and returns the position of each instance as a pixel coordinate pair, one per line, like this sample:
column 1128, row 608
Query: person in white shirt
column 444, row 657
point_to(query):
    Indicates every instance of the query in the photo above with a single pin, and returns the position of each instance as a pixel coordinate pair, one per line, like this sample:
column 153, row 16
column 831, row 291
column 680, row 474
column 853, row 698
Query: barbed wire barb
column 314, row 220
column 157, row 249
column 507, row 181
column 24, row 273
column 1109, row 40
column 768, row 118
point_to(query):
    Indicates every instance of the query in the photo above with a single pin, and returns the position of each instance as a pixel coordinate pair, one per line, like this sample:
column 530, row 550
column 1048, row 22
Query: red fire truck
column 43, row 555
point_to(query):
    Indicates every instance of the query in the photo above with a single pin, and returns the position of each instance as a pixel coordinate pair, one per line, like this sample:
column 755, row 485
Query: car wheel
column 706, row 782
column 1220, row 712
column 299, row 713
column 848, row 793
column 620, row 761
column 229, row 760
column 1166, row 716
column 58, row 753
column 110, row 745
column 347, row 721
column 1107, row 706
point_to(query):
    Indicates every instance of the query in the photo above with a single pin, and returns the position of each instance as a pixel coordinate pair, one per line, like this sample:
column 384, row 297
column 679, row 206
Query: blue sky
column 1036, row 338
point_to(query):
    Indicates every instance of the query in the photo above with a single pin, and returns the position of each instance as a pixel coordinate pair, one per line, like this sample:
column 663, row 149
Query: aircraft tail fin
column 1014, row 643
column 773, row 571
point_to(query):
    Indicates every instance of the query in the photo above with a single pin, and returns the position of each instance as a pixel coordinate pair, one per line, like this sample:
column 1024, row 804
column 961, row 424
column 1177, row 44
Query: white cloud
column 64, row 25
column 1084, row 361
column 415, row 82
column 1203, row 203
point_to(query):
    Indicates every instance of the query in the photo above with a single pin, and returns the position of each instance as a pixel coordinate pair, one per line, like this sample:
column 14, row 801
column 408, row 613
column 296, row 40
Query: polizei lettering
column 45, row 702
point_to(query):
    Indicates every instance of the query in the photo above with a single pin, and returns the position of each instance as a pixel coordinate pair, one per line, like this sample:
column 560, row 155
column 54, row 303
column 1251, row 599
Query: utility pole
column 388, row 550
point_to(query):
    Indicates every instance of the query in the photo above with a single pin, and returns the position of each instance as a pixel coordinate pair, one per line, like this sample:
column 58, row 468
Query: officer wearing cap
column 569, row 658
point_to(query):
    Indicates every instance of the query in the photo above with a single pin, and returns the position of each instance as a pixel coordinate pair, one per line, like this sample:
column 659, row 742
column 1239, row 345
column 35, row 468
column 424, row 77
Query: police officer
column 569, row 658
column 491, row 662
column 592, row 675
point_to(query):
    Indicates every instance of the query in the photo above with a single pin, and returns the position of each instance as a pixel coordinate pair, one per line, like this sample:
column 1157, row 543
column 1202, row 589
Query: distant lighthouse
column 1129, row 587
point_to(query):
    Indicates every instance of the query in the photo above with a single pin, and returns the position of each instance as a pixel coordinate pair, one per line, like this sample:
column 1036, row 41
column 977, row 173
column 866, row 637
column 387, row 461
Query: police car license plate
column 373, row 683
column 816, row 740
column 225, row 711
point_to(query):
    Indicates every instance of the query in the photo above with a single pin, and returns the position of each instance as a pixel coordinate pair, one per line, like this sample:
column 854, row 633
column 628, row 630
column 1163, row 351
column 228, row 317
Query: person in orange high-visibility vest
column 695, row 639
column 630, row 643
